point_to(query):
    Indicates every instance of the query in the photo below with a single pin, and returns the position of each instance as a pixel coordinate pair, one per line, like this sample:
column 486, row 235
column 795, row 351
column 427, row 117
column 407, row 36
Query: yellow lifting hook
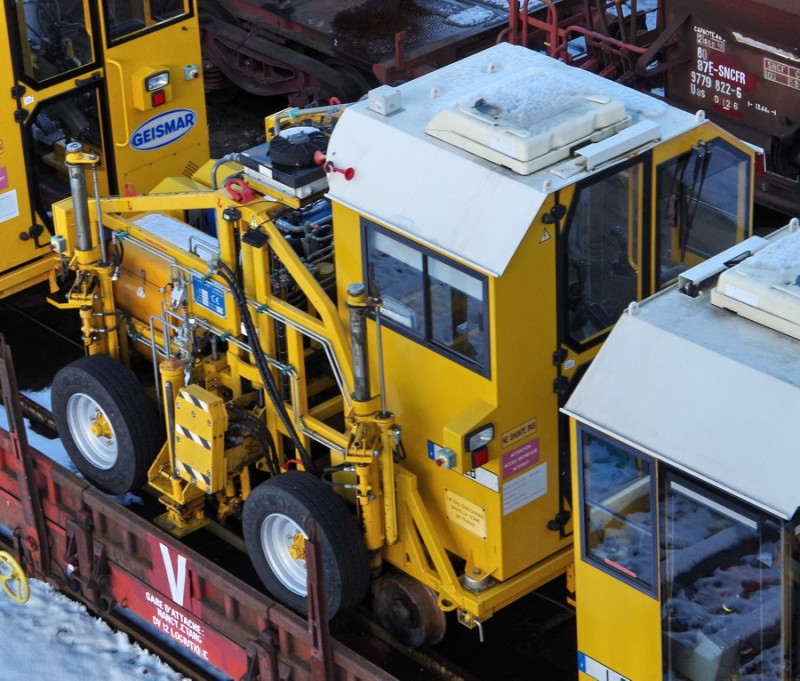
column 12, row 579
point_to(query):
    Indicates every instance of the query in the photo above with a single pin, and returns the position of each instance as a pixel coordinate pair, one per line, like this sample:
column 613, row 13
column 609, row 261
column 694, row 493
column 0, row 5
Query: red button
column 480, row 457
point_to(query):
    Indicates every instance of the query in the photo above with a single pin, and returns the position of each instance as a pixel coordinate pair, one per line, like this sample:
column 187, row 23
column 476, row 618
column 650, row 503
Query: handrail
column 124, row 104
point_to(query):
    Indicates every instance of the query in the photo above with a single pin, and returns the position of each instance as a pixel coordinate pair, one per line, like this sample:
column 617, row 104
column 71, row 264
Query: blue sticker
column 208, row 295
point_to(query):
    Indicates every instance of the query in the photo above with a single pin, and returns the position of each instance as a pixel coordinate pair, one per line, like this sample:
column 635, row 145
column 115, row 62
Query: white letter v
column 177, row 584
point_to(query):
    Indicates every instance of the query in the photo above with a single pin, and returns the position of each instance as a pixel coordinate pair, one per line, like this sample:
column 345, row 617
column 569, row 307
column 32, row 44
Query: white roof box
column 766, row 287
column 526, row 135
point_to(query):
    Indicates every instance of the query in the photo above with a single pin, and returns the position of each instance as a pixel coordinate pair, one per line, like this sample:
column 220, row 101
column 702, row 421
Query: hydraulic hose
column 263, row 368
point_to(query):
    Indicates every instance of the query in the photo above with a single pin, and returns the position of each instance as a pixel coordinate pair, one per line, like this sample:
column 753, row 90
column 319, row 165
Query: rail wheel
column 276, row 523
column 108, row 426
column 407, row 609
column 12, row 579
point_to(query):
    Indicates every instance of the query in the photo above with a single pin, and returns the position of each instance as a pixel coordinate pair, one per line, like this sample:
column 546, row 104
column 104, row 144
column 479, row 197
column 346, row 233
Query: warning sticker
column 520, row 458
column 524, row 489
column 465, row 514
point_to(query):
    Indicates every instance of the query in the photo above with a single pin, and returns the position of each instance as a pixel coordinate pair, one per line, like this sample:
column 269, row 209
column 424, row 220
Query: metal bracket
column 262, row 659
column 318, row 627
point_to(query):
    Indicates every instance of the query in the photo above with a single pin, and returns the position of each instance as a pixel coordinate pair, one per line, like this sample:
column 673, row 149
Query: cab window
column 125, row 18
column 427, row 297
column 617, row 493
column 701, row 206
column 724, row 610
column 602, row 267
column 53, row 37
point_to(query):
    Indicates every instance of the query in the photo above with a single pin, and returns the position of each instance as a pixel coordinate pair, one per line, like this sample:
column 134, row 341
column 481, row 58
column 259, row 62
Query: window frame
column 651, row 590
column 17, row 40
column 661, row 171
column 113, row 41
column 645, row 188
column 425, row 336
column 673, row 480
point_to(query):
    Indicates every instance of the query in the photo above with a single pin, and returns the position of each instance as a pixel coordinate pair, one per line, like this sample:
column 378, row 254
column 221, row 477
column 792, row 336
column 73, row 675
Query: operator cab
column 685, row 462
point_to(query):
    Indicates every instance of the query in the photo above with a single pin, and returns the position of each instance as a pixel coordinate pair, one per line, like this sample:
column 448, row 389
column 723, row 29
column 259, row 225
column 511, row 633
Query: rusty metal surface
column 740, row 62
column 364, row 30
column 32, row 535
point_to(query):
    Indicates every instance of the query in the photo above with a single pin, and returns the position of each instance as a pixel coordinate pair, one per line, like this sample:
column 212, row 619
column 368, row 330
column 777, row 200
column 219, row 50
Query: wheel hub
column 92, row 431
column 297, row 550
column 284, row 546
column 101, row 427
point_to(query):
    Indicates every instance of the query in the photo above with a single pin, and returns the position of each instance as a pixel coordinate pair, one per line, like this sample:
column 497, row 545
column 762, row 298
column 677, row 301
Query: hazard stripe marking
column 186, row 395
column 193, row 472
column 196, row 438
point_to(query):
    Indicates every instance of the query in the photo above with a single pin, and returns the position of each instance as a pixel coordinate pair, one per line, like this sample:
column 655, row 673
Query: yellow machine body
column 486, row 277
column 684, row 461
column 85, row 72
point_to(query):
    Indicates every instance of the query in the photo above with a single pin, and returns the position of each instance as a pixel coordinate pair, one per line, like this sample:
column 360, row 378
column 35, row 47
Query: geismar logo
column 163, row 129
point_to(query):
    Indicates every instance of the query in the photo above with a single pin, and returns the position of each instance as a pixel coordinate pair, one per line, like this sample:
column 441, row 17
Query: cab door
column 156, row 103
column 65, row 63
column 601, row 266
column 600, row 270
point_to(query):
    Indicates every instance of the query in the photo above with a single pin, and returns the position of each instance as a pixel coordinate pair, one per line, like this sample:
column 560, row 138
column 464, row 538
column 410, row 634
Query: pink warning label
column 520, row 458
column 3, row 177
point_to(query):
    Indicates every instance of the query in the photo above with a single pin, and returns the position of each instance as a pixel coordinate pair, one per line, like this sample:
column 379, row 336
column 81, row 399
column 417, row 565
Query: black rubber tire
column 137, row 430
column 301, row 497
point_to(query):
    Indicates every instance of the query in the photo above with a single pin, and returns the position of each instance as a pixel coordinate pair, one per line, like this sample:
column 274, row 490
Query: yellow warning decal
column 465, row 514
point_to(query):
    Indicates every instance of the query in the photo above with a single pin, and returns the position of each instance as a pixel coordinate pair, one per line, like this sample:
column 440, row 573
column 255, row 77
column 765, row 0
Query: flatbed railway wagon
column 375, row 331
column 197, row 616
column 685, row 437
column 310, row 50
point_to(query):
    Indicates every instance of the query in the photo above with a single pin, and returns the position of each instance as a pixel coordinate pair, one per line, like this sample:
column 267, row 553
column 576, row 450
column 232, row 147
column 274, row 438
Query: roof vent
column 765, row 288
column 527, row 136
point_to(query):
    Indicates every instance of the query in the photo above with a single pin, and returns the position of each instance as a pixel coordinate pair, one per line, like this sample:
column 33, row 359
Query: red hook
column 239, row 190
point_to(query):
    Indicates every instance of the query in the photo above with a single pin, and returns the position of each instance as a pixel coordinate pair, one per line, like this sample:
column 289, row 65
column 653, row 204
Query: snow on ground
column 52, row 637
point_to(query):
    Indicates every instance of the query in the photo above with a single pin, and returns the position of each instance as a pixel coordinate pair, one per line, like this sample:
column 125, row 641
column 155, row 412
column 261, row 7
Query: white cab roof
column 506, row 107
column 706, row 390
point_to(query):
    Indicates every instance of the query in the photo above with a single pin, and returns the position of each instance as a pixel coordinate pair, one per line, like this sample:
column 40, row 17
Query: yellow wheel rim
column 12, row 579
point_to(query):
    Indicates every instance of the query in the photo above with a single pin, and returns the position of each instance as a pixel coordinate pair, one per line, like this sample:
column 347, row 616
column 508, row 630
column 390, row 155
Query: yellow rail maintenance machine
column 121, row 77
column 491, row 221
column 686, row 501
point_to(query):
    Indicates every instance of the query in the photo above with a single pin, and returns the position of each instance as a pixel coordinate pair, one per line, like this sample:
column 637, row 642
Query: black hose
column 268, row 445
column 263, row 368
